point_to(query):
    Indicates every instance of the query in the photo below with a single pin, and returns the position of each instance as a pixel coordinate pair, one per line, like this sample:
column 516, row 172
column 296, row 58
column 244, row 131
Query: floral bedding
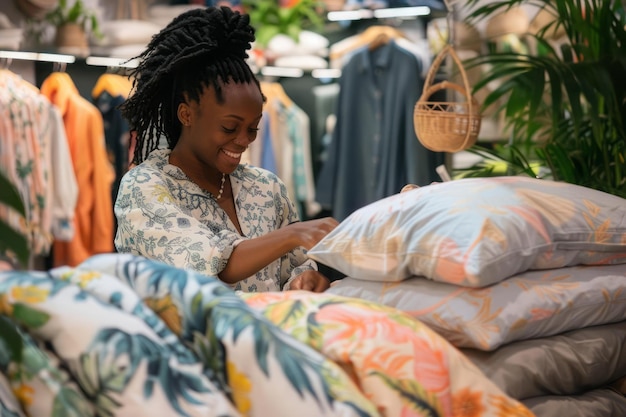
column 121, row 335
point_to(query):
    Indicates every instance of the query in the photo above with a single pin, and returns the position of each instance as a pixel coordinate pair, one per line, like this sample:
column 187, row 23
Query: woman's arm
column 152, row 224
column 250, row 256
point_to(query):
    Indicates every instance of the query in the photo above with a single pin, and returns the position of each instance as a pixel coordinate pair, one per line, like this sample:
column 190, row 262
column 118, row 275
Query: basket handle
column 432, row 72
column 442, row 86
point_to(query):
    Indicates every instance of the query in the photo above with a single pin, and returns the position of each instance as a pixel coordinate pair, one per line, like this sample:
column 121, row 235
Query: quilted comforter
column 121, row 335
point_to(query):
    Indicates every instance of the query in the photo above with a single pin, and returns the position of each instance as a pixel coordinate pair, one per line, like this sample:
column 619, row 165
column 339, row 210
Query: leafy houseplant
column 270, row 18
column 78, row 19
column 564, row 104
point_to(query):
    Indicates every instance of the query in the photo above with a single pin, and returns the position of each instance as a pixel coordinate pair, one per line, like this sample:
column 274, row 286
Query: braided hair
column 199, row 48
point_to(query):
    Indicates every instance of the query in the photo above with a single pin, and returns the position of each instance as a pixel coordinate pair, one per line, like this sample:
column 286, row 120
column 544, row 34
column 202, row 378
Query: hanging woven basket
column 446, row 126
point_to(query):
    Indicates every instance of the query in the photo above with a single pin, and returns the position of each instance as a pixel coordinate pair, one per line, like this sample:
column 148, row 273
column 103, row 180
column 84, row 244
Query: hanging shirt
column 116, row 134
column 93, row 222
column 163, row 215
column 36, row 159
column 374, row 151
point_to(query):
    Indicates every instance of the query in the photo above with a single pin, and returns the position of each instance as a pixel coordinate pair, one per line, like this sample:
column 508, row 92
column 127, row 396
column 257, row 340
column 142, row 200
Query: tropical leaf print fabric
column 255, row 360
column 405, row 368
column 122, row 335
column 41, row 384
column 123, row 363
column 9, row 405
column 139, row 338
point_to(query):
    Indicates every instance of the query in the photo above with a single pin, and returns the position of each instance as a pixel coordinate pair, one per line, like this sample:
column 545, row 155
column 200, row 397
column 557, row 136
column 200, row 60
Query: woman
column 191, row 203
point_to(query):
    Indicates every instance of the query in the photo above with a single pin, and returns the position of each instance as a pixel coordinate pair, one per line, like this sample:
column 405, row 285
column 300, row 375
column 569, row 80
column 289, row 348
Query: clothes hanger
column 380, row 40
column 114, row 81
column 5, row 63
column 273, row 90
column 59, row 67
column 371, row 35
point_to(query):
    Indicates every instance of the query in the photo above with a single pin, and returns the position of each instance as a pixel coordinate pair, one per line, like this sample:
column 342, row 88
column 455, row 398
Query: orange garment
column 114, row 84
column 93, row 222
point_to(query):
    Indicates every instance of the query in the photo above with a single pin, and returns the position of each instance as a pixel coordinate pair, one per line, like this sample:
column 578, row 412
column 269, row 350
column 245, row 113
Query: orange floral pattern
column 529, row 305
column 401, row 365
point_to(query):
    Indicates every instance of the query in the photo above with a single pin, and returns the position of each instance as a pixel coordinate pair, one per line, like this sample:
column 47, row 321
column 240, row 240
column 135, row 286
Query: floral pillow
column 404, row 367
column 478, row 231
column 529, row 305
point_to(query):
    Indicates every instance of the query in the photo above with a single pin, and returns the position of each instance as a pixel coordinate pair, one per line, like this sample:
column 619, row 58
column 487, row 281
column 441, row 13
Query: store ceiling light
column 350, row 15
column 392, row 12
column 324, row 73
column 282, row 72
column 402, row 12
column 38, row 56
column 103, row 61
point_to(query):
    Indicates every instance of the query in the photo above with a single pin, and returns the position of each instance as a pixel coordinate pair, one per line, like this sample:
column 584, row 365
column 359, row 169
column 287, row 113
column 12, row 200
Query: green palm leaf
column 10, row 339
column 10, row 239
column 577, row 91
column 420, row 400
column 292, row 358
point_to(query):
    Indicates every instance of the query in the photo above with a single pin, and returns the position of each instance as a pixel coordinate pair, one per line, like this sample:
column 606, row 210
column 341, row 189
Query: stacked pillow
column 488, row 261
column 530, row 305
column 478, row 231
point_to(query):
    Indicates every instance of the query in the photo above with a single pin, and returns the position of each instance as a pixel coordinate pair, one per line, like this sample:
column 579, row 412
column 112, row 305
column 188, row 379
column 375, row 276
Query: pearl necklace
column 219, row 194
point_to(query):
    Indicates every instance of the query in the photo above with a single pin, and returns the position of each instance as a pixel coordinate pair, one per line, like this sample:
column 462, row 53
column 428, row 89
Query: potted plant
column 73, row 24
column 563, row 103
column 271, row 17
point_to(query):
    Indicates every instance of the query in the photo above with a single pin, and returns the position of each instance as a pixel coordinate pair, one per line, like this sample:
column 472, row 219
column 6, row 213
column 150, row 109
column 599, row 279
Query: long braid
column 197, row 49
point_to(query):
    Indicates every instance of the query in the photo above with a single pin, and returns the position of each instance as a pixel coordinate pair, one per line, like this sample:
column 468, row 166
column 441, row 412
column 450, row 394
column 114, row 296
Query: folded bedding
column 121, row 335
column 529, row 305
column 525, row 276
column 566, row 364
column 138, row 338
column 602, row 402
column 392, row 357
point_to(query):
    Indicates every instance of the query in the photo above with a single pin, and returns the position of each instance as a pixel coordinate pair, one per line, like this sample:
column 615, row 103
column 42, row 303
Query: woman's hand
column 310, row 280
column 250, row 256
column 309, row 232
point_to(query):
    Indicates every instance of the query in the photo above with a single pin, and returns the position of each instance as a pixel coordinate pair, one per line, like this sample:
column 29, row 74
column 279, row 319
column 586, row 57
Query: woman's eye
column 228, row 130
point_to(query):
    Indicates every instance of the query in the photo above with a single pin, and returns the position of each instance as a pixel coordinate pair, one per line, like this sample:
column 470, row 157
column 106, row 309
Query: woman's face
column 216, row 134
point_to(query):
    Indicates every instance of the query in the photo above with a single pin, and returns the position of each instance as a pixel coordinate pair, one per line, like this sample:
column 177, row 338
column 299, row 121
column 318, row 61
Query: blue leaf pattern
column 165, row 216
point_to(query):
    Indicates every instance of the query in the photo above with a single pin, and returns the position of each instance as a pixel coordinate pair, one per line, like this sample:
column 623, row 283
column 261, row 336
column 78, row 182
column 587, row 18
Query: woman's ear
column 184, row 114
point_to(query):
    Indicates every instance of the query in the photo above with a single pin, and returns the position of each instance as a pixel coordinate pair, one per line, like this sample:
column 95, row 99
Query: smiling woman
column 193, row 204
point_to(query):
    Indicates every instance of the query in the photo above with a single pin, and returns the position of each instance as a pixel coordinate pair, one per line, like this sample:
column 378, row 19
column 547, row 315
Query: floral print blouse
column 163, row 215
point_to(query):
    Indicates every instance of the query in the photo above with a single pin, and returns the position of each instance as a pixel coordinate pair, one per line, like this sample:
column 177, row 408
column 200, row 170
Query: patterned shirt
column 163, row 215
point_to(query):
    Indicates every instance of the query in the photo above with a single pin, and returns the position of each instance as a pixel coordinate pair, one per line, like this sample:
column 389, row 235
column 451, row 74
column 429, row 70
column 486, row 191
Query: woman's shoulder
column 246, row 172
column 152, row 168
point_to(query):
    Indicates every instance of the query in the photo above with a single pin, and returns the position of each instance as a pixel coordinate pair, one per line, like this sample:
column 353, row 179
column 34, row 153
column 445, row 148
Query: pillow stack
column 478, row 231
column 486, row 261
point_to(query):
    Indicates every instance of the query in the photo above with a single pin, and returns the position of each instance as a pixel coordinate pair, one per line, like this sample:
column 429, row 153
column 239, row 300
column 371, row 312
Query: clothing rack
column 63, row 59
column 37, row 56
column 271, row 73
